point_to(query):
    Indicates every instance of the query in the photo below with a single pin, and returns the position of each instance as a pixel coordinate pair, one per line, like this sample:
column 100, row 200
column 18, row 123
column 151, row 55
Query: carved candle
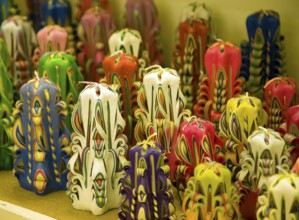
column 99, row 147
column 94, row 30
column 50, row 38
column 196, row 10
column 210, row 194
column 265, row 151
column 161, row 110
column 122, row 69
column 143, row 16
column 62, row 69
column 197, row 141
column 290, row 131
column 21, row 40
column 146, row 186
column 265, row 57
column 241, row 117
column 280, row 94
column 281, row 200
column 188, row 57
column 6, row 102
column 222, row 62
column 41, row 140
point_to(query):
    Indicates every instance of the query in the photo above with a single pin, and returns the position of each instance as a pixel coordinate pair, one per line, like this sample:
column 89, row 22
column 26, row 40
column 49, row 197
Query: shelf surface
column 56, row 204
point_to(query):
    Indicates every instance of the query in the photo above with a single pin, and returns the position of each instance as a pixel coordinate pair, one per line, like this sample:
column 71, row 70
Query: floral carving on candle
column 196, row 142
column 188, row 57
column 21, row 41
column 41, row 140
column 143, row 17
column 50, row 38
column 264, row 152
column 130, row 41
column 62, row 69
column 280, row 94
column 146, row 186
column 290, row 132
column 121, row 69
column 222, row 62
column 210, row 194
column 264, row 54
column 161, row 110
column 241, row 117
column 281, row 201
column 99, row 147
column 94, row 30
column 6, row 119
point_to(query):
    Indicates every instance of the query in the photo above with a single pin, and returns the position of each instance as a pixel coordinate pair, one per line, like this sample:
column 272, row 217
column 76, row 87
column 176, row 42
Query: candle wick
column 282, row 170
column 36, row 75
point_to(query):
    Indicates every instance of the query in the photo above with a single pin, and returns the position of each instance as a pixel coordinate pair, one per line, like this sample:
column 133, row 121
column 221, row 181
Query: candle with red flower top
column 122, row 69
column 222, row 62
column 197, row 142
column 280, row 94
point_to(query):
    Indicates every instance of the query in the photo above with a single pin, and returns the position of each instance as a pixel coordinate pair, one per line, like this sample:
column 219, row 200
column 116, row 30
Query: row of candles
column 145, row 108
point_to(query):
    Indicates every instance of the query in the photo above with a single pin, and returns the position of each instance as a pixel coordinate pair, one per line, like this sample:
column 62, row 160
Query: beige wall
column 228, row 17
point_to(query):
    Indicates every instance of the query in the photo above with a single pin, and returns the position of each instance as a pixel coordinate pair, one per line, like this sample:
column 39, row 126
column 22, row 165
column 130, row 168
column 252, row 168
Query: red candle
column 280, row 94
column 122, row 69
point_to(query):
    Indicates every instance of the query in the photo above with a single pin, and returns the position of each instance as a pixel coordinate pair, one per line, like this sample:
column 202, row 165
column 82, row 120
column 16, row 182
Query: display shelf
column 56, row 204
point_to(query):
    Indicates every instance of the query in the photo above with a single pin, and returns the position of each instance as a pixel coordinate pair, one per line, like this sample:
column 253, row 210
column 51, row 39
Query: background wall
column 228, row 22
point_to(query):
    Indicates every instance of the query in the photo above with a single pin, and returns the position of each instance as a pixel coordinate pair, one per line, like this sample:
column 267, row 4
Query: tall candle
column 94, row 30
column 265, row 57
column 21, row 40
column 143, row 16
column 41, row 140
column 222, row 62
column 210, row 194
column 161, row 110
column 99, row 148
column 146, row 188
column 189, row 55
column 280, row 94
column 197, row 142
column 62, row 69
column 122, row 69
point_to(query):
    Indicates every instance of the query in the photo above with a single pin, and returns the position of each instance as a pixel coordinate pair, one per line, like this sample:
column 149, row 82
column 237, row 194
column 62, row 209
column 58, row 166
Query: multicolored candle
column 50, row 38
column 21, row 41
column 146, row 186
column 210, row 194
column 197, row 142
column 121, row 69
column 41, row 140
column 62, row 69
column 6, row 102
column 94, row 30
column 191, row 43
column 280, row 94
column 161, row 110
column 99, row 148
column 143, row 16
column 241, row 117
column 264, row 55
column 290, row 132
column 222, row 62
column 265, row 150
column 281, row 199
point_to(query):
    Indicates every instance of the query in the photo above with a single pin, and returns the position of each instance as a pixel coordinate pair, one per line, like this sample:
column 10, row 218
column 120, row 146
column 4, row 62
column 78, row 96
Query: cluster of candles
column 132, row 129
